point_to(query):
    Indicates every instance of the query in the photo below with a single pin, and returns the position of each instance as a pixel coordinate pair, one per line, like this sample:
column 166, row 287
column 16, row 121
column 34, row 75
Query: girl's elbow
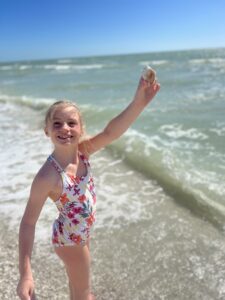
column 27, row 223
column 110, row 135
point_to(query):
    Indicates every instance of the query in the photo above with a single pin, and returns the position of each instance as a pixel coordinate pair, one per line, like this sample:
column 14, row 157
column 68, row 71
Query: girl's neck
column 66, row 156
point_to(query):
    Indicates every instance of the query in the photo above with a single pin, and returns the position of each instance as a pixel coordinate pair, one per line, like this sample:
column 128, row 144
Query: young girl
column 66, row 178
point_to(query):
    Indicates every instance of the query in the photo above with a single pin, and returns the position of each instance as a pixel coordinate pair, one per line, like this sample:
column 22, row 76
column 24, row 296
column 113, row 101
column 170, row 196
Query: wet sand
column 147, row 260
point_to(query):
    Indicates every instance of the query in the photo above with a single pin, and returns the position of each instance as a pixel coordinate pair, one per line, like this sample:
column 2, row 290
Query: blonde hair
column 63, row 104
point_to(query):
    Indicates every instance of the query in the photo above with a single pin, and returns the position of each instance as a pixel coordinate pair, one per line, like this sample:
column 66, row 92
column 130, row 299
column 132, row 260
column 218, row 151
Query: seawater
column 179, row 138
column 171, row 158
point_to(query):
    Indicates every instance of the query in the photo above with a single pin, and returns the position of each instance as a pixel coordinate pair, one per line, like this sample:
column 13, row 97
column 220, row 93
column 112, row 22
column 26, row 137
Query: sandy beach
column 168, row 260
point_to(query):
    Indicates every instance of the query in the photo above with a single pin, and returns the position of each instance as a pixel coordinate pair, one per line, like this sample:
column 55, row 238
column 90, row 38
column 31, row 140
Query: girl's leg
column 77, row 263
column 71, row 291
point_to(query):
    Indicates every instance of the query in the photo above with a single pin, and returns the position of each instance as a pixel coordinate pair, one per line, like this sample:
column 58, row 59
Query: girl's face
column 64, row 127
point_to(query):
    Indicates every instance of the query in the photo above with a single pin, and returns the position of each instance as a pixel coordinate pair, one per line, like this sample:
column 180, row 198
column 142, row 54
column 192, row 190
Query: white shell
column 148, row 74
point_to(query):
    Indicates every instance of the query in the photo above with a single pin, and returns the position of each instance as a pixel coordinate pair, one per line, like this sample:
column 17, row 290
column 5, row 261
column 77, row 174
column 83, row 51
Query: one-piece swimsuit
column 76, row 206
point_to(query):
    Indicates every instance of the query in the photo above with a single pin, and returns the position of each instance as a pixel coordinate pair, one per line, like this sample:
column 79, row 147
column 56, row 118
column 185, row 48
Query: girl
column 66, row 178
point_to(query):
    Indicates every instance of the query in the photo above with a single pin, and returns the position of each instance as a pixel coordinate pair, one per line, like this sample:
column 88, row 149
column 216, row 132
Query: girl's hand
column 25, row 289
column 146, row 91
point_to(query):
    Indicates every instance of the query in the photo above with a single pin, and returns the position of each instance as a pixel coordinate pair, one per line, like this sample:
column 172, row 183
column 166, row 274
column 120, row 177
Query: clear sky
column 37, row 29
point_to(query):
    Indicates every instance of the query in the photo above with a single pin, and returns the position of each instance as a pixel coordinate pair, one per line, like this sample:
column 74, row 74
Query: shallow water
column 180, row 136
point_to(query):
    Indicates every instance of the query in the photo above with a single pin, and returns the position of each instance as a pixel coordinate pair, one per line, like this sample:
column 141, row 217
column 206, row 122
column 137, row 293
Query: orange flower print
column 72, row 177
column 64, row 199
column 75, row 238
column 82, row 198
column 90, row 220
column 75, row 179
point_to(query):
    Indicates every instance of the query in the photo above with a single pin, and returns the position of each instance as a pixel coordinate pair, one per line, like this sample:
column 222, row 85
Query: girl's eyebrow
column 70, row 119
column 73, row 119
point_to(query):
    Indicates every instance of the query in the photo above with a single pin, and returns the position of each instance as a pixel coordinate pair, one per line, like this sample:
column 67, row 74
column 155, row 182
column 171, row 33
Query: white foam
column 159, row 62
column 8, row 98
column 57, row 67
column 216, row 62
column 6, row 68
column 64, row 67
column 88, row 67
column 15, row 67
column 24, row 67
column 197, row 61
column 24, row 99
column 64, row 61
column 149, row 143
column 154, row 62
column 176, row 131
column 218, row 131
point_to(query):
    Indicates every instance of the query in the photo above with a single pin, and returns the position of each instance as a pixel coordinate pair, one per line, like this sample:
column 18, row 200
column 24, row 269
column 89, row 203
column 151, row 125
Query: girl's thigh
column 77, row 263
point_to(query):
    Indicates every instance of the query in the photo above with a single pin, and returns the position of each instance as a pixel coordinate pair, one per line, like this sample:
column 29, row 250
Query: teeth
column 65, row 137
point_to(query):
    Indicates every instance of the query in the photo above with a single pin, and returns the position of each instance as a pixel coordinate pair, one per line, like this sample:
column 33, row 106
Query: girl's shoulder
column 42, row 185
column 47, row 176
column 84, row 148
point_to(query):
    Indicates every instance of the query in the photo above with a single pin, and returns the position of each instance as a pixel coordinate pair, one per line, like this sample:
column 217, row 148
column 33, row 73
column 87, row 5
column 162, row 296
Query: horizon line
column 108, row 55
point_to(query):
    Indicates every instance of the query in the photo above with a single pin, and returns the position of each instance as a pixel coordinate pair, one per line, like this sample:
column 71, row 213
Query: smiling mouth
column 65, row 137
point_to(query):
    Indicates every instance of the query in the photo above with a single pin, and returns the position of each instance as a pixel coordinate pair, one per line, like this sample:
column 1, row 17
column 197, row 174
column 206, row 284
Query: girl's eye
column 72, row 124
column 56, row 124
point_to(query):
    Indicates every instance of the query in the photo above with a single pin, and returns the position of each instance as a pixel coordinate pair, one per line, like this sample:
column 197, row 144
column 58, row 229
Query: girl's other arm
column 118, row 125
column 38, row 195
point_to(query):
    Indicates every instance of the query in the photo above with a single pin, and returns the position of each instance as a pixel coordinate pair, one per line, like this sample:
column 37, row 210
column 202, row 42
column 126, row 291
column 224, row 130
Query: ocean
column 160, row 187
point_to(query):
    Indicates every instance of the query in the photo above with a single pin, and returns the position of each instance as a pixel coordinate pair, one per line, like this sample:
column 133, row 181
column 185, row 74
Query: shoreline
column 143, row 248
column 159, row 258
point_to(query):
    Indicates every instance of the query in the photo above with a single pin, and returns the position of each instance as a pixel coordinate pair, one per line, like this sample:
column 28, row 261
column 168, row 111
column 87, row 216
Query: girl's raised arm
column 118, row 125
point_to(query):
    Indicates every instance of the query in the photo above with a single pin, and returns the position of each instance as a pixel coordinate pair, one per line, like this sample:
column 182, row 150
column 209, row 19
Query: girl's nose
column 65, row 126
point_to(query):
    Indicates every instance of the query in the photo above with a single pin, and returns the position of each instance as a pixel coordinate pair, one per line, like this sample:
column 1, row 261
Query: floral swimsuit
column 76, row 205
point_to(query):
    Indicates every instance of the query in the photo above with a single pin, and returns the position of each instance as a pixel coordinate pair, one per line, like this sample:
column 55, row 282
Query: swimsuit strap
column 60, row 170
column 84, row 159
column 55, row 164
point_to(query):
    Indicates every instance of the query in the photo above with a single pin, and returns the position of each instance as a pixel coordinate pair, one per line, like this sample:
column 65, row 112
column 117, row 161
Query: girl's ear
column 46, row 131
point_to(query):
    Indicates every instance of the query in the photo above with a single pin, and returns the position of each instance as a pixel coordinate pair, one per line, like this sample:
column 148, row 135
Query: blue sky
column 31, row 29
